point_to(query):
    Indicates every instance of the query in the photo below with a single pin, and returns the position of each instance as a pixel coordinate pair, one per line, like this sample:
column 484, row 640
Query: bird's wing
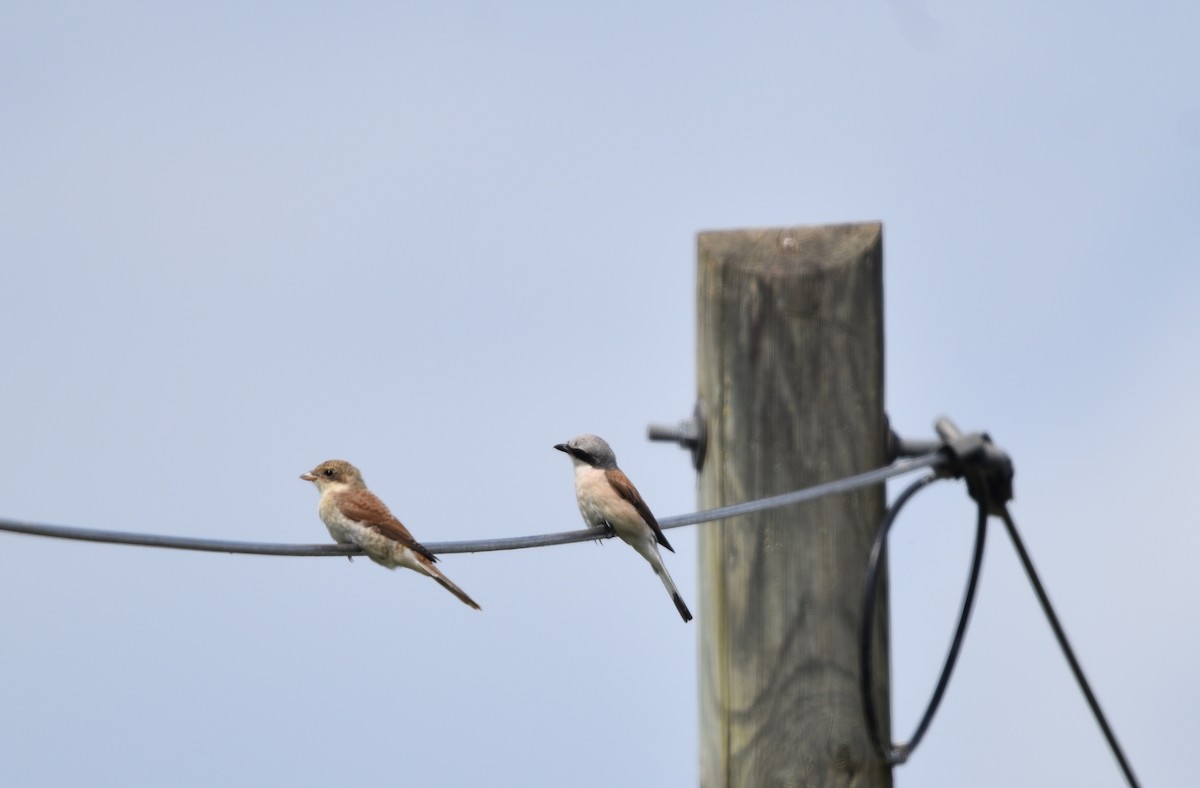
column 365, row 507
column 620, row 482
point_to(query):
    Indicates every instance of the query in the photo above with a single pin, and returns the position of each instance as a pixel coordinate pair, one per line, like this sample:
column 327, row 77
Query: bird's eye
column 328, row 472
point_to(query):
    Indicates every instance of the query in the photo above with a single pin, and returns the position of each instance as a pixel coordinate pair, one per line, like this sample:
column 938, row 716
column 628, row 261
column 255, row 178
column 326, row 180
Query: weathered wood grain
column 791, row 370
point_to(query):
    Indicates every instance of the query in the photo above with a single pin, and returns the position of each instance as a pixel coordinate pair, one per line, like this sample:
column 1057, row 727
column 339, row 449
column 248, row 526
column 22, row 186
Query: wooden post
column 791, row 374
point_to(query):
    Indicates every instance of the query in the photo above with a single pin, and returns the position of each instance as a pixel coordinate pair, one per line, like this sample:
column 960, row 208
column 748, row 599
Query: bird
column 355, row 515
column 608, row 500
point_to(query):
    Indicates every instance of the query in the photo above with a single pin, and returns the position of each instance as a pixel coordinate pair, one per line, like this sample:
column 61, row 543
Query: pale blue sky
column 241, row 239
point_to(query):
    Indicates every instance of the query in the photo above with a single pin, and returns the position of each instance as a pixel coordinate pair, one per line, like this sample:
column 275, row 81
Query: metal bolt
column 690, row 434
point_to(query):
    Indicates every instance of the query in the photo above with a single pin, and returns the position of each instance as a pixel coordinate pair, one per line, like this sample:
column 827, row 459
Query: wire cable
column 937, row 460
column 934, row 459
column 899, row 753
column 1067, row 651
column 897, row 468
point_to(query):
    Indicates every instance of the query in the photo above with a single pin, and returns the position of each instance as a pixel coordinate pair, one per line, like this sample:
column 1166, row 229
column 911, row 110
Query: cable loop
column 988, row 472
column 899, row 753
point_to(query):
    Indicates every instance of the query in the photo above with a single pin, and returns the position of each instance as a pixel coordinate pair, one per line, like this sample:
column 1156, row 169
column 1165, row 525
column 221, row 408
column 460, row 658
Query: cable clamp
column 986, row 467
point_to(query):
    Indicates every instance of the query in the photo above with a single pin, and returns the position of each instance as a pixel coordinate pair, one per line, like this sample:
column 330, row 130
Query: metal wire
column 898, row 468
column 1067, row 651
column 893, row 753
column 175, row 542
column 934, row 459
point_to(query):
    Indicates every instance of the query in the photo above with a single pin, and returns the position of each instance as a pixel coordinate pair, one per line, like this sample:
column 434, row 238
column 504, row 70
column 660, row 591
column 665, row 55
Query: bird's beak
column 308, row 477
column 562, row 447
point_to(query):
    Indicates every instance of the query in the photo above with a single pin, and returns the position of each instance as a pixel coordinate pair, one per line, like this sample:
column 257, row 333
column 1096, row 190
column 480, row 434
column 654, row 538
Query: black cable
column 1066, row 647
column 899, row 753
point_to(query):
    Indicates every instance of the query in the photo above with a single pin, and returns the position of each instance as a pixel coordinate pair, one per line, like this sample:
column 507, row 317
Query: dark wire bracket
column 987, row 469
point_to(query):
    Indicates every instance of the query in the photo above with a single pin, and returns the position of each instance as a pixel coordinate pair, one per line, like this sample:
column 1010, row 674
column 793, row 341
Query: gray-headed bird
column 608, row 500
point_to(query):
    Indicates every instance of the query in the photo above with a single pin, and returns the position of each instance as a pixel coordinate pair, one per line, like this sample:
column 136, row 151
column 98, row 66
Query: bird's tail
column 437, row 575
column 661, row 571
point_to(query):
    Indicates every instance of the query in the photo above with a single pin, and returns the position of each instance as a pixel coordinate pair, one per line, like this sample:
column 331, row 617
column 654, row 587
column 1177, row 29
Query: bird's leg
column 609, row 531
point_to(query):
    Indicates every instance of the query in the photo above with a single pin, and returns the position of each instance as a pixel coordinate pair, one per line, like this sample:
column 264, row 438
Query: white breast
column 599, row 502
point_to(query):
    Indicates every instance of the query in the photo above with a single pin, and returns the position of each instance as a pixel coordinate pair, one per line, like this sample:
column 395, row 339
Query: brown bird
column 607, row 499
column 355, row 515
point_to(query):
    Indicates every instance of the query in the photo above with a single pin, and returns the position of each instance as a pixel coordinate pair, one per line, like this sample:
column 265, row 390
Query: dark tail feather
column 660, row 569
column 682, row 608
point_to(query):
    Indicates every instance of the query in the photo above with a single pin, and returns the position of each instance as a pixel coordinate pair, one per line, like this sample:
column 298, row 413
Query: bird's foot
column 609, row 532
